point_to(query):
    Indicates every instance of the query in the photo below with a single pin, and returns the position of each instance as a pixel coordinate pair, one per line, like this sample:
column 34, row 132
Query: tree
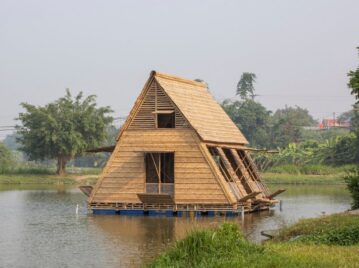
column 6, row 158
column 345, row 117
column 62, row 129
column 112, row 133
column 287, row 125
column 10, row 141
column 354, row 82
column 98, row 159
column 252, row 118
column 245, row 86
column 352, row 179
column 354, row 86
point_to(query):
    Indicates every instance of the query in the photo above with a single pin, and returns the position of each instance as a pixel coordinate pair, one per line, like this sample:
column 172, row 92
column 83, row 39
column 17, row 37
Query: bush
column 352, row 181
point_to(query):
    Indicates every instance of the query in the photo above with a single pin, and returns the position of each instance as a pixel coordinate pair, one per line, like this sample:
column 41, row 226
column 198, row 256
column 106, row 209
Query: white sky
column 300, row 50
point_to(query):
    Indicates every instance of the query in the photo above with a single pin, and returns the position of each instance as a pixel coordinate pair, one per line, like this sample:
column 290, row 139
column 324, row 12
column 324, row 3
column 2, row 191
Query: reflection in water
column 39, row 227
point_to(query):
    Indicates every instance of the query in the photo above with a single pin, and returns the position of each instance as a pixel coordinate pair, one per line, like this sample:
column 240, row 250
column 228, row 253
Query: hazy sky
column 300, row 50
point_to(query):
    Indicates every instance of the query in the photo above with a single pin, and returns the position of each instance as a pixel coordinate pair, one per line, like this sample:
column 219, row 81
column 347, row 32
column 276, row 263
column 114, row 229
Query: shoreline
column 90, row 179
column 69, row 179
column 286, row 178
column 326, row 241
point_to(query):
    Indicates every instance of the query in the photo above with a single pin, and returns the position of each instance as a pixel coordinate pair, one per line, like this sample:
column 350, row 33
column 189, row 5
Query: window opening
column 159, row 172
column 166, row 120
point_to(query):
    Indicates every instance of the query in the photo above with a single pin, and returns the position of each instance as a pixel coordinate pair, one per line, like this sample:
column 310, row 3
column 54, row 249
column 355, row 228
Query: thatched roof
column 201, row 110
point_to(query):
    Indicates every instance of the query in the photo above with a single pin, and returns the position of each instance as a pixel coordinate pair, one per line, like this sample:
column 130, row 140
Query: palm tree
column 245, row 86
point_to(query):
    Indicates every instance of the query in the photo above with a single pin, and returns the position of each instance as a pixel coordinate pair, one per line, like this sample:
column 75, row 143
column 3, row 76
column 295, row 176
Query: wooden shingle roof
column 201, row 110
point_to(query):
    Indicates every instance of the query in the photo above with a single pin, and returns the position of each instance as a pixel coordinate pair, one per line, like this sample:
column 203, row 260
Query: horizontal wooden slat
column 127, row 175
column 123, row 180
column 120, row 190
column 196, row 186
column 198, row 191
column 200, row 180
column 191, row 165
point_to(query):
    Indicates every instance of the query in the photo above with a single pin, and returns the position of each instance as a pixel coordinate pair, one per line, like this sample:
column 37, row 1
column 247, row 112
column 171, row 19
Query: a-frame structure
column 179, row 151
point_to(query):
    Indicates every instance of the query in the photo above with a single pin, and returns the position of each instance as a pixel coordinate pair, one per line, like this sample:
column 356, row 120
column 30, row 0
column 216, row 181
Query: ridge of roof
column 178, row 79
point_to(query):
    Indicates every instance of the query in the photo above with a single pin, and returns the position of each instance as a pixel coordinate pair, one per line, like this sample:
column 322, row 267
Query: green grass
column 330, row 242
column 306, row 174
column 302, row 179
column 337, row 229
column 27, row 171
column 309, row 169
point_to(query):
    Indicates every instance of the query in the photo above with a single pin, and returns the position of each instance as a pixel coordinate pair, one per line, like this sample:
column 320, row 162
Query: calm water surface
column 39, row 226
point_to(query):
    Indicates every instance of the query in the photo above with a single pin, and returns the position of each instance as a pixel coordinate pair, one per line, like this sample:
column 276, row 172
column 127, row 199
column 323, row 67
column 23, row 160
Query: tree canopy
column 354, row 82
column 252, row 118
column 287, row 125
column 6, row 157
column 245, row 86
column 266, row 130
column 62, row 129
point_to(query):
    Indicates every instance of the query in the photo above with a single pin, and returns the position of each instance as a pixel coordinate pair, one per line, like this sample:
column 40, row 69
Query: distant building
column 331, row 123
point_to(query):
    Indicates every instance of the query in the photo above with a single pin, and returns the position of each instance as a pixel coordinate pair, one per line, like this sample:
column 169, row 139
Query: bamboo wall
column 125, row 174
column 155, row 100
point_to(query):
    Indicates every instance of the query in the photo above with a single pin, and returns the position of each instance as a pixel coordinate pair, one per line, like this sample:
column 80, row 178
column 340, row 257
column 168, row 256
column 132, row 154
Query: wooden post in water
column 242, row 214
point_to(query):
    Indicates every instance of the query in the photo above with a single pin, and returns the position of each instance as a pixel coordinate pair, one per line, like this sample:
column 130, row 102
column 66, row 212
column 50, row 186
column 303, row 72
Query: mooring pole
column 77, row 209
column 242, row 214
column 280, row 205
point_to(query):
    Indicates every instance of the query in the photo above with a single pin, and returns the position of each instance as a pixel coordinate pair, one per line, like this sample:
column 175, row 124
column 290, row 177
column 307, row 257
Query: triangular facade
column 178, row 150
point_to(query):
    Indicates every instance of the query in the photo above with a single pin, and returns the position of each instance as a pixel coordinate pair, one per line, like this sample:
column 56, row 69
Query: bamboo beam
column 271, row 196
column 231, row 172
column 253, row 176
column 256, row 172
column 244, row 171
column 249, row 196
column 217, row 174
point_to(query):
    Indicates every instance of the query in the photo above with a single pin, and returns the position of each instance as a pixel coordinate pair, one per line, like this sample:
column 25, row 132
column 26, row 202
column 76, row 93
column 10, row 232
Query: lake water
column 39, row 226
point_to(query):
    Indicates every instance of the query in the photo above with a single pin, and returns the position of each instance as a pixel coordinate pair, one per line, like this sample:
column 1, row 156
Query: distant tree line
column 63, row 130
column 285, row 129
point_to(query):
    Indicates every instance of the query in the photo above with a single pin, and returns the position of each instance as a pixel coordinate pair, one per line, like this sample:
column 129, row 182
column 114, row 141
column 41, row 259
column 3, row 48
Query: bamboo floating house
column 178, row 151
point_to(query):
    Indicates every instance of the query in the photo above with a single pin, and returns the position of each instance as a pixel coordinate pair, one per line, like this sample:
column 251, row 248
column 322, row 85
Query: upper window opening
column 166, row 120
